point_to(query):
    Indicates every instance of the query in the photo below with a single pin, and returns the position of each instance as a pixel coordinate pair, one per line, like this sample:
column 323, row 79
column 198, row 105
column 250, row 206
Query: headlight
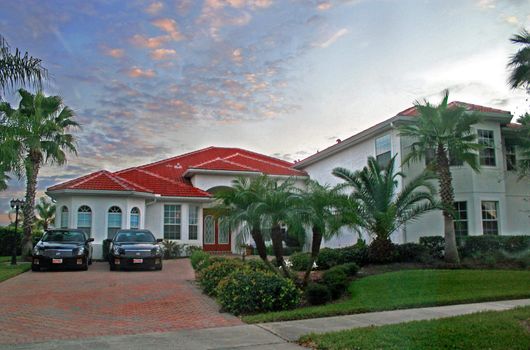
column 37, row 251
column 116, row 250
column 156, row 250
column 80, row 250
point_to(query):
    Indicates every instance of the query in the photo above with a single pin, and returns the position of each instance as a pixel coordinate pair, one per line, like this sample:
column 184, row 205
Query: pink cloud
column 324, row 5
column 137, row 72
column 154, row 8
column 116, row 53
column 170, row 26
column 162, row 54
column 151, row 43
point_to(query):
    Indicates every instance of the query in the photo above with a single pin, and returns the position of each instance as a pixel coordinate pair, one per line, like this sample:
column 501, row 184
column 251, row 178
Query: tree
column 381, row 210
column 522, row 142
column 520, row 62
column 444, row 131
column 237, row 205
column 45, row 213
column 279, row 204
column 38, row 134
column 321, row 205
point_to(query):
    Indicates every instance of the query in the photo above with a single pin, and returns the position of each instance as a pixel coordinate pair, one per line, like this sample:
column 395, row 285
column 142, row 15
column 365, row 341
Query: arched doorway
column 217, row 235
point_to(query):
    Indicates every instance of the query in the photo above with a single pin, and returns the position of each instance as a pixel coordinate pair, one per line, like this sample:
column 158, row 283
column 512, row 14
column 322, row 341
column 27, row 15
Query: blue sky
column 151, row 79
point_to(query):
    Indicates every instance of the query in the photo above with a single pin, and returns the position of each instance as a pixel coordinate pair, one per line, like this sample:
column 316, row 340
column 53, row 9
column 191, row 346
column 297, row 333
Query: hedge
column 210, row 276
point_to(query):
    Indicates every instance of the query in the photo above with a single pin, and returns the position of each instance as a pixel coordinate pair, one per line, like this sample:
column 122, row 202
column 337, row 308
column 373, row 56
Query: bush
column 6, row 239
column 210, row 276
column 199, row 258
column 172, row 249
column 328, row 258
column 257, row 265
column 411, row 252
column 381, row 251
column 317, row 294
column 300, row 261
column 435, row 246
column 246, row 291
column 350, row 269
column 336, row 280
column 357, row 253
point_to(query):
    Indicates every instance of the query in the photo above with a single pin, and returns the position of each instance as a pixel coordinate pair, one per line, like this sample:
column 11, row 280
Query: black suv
column 135, row 249
column 62, row 248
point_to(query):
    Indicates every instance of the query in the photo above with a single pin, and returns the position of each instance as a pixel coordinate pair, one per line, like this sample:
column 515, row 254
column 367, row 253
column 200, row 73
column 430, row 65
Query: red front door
column 215, row 233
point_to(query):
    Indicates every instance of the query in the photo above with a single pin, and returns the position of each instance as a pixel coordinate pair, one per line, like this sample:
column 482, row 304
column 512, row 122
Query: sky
column 153, row 79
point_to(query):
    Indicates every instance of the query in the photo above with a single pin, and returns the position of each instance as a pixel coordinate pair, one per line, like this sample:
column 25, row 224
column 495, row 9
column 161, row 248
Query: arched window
column 64, row 217
column 114, row 221
column 84, row 219
column 135, row 218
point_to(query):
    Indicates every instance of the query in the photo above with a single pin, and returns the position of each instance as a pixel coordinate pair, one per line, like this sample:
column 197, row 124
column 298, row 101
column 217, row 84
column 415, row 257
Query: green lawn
column 415, row 288
column 8, row 271
column 487, row 330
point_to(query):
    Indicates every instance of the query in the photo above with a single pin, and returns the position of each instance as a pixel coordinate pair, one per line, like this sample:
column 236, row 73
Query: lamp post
column 16, row 204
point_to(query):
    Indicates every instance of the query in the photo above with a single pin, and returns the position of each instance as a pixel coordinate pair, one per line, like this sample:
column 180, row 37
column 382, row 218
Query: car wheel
column 112, row 267
column 158, row 268
column 90, row 261
column 35, row 268
column 84, row 267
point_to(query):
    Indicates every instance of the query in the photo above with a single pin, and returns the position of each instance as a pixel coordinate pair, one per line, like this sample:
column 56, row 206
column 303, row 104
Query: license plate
column 138, row 261
column 57, row 261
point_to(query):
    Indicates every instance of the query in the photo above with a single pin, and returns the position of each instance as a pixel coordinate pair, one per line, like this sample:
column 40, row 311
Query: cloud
column 170, row 26
column 116, row 53
column 511, row 20
column 151, row 43
column 136, row 72
column 332, row 39
column 486, row 4
column 154, row 8
column 162, row 54
column 324, row 5
column 237, row 56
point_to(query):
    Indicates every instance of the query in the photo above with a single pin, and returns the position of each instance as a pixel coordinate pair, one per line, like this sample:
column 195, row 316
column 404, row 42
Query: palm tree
column 520, row 62
column 279, row 204
column 237, row 205
column 37, row 132
column 381, row 210
column 522, row 141
column 45, row 213
column 444, row 131
column 321, row 205
column 19, row 69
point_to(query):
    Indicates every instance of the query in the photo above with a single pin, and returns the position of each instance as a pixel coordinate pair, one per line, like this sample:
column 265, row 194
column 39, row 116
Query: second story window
column 383, row 152
column 511, row 159
column 487, row 153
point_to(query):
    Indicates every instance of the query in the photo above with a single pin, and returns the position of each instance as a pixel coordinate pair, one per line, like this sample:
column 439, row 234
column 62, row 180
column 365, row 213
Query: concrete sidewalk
column 264, row 336
column 293, row 330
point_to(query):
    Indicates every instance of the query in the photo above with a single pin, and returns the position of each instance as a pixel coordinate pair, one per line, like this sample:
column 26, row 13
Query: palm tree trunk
column 277, row 247
column 315, row 249
column 448, row 197
column 32, row 171
column 260, row 246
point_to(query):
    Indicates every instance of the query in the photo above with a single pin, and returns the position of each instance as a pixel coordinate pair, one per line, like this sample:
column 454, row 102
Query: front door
column 216, row 234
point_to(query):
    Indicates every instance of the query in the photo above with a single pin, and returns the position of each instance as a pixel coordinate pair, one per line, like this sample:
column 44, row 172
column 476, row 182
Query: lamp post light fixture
column 15, row 204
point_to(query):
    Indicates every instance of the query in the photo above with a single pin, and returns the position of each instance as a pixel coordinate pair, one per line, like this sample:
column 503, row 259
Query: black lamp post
column 16, row 204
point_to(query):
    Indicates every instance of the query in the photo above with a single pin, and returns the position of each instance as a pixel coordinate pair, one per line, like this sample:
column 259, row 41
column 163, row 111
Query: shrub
column 336, row 280
column 210, row 276
column 199, row 258
column 475, row 246
column 411, row 252
column 516, row 244
column 246, row 291
column 6, row 239
column 350, row 269
column 317, row 294
column 300, row 261
column 357, row 253
column 172, row 249
column 257, row 265
column 381, row 251
column 328, row 258
column 435, row 246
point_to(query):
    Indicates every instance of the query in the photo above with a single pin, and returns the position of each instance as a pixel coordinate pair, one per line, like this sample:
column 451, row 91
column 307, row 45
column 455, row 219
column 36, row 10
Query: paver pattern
column 43, row 306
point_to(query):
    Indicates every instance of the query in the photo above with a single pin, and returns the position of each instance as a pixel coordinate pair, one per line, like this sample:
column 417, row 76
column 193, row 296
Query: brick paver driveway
column 39, row 306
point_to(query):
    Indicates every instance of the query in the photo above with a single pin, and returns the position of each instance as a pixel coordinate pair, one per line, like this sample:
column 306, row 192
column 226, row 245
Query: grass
column 7, row 271
column 414, row 288
column 486, row 330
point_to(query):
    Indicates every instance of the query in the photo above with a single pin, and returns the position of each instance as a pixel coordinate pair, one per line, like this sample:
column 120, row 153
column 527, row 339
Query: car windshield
column 135, row 237
column 64, row 236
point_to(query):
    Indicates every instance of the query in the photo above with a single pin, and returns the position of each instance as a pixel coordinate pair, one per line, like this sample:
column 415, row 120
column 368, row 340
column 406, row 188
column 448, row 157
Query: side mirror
column 108, row 240
column 90, row 240
column 159, row 240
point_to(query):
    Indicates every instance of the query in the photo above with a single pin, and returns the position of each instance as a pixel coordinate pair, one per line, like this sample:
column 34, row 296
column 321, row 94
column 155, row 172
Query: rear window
column 64, row 236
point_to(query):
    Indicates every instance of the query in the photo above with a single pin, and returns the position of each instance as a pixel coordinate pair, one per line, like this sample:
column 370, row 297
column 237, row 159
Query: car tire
column 90, row 261
column 84, row 267
column 158, row 268
column 112, row 267
column 35, row 268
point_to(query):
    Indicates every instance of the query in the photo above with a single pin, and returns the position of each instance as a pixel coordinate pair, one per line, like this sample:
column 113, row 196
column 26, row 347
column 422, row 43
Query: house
column 172, row 197
column 493, row 201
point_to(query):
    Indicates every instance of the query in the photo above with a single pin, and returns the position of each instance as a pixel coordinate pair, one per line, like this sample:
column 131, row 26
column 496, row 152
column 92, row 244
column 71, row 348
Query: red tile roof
column 412, row 111
column 166, row 177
